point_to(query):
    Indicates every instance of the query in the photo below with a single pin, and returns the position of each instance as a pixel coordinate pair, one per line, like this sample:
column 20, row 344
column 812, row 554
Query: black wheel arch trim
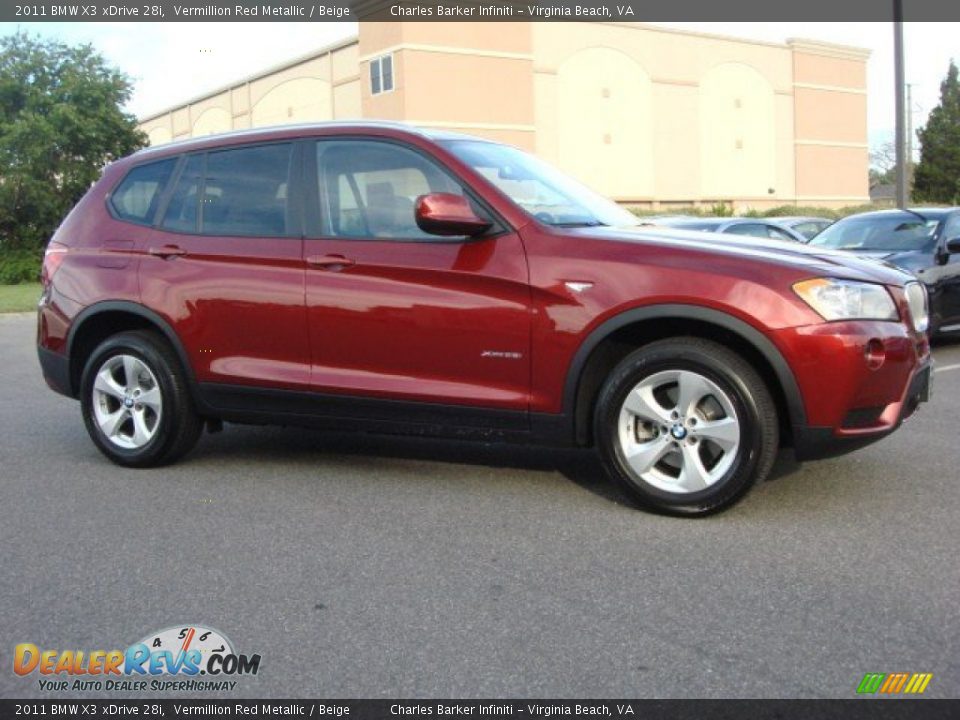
column 141, row 311
column 748, row 333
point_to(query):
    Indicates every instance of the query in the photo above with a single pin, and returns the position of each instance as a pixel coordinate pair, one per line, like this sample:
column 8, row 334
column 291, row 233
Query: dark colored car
column 751, row 227
column 379, row 278
column 924, row 241
column 807, row 226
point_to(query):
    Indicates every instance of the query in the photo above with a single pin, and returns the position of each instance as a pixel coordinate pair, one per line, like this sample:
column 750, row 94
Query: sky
column 172, row 62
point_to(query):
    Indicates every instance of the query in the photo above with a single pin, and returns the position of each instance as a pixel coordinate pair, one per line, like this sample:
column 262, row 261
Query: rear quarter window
column 136, row 197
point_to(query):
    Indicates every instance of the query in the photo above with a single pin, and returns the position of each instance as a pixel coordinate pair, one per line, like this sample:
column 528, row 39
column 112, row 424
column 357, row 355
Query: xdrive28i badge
column 181, row 657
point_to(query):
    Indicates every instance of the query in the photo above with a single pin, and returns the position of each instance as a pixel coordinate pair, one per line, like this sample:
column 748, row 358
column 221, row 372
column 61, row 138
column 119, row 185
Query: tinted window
column 245, row 191
column 369, row 189
column 182, row 211
column 752, row 229
column 136, row 198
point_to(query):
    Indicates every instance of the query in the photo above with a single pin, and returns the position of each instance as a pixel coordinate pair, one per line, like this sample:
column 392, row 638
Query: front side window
column 381, row 74
column 542, row 191
column 240, row 192
column 136, row 198
column 369, row 189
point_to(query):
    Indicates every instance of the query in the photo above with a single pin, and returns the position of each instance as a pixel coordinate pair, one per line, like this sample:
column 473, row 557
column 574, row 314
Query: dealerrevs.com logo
column 188, row 657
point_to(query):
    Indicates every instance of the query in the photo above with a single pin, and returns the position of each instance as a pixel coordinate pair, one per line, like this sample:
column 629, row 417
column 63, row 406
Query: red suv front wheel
column 686, row 425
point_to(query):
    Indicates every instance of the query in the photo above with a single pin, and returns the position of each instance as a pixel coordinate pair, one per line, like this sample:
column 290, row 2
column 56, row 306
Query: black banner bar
column 471, row 10
column 857, row 709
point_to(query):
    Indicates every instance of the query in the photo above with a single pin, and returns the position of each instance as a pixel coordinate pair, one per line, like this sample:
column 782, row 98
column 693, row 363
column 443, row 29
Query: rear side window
column 245, row 191
column 183, row 211
column 240, row 192
column 136, row 198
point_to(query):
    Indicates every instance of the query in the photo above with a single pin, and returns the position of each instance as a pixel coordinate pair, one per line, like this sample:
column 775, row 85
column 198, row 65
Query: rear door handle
column 167, row 251
column 332, row 262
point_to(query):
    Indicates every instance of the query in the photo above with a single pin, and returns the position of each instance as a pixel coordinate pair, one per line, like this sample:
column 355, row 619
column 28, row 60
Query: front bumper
column 811, row 442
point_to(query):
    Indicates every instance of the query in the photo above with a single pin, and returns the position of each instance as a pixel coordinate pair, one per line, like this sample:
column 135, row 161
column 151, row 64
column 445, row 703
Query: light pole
column 901, row 104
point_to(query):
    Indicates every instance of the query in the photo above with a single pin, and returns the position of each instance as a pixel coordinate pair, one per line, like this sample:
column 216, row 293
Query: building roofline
column 834, row 50
column 696, row 33
column 278, row 67
column 821, row 46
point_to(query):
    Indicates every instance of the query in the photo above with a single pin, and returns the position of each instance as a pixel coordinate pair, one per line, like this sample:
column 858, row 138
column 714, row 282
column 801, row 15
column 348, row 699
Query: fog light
column 875, row 354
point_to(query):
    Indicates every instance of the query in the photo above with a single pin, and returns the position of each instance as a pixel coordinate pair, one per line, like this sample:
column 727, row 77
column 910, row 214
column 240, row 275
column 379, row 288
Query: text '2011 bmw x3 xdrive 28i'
column 380, row 278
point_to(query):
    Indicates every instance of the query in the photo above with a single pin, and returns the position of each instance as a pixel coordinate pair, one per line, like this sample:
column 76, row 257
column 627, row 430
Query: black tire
column 745, row 391
column 176, row 427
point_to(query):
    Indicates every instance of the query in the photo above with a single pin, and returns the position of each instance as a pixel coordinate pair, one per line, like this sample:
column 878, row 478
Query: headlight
column 917, row 300
column 847, row 300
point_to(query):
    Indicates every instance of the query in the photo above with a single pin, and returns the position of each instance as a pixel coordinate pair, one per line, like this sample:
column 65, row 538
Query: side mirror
column 953, row 246
column 449, row 215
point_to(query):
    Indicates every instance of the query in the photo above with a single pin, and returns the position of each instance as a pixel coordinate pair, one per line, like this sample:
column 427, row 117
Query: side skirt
column 261, row 406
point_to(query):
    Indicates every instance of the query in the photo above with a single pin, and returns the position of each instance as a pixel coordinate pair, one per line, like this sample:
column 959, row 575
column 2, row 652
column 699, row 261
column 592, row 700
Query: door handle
column 167, row 251
column 332, row 262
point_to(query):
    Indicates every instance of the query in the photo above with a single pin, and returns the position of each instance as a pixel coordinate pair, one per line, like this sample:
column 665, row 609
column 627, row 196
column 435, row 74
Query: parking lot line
column 955, row 366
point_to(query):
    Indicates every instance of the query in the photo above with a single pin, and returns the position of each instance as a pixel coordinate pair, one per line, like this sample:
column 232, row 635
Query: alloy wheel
column 678, row 431
column 127, row 402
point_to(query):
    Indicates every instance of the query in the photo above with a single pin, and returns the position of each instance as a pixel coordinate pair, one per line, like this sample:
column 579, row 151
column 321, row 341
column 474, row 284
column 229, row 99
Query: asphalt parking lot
column 379, row 567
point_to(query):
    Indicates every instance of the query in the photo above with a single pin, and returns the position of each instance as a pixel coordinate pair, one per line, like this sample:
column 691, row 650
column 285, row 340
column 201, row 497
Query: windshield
column 900, row 233
column 544, row 192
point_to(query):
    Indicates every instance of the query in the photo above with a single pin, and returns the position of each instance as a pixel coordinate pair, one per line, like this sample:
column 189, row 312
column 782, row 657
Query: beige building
column 646, row 115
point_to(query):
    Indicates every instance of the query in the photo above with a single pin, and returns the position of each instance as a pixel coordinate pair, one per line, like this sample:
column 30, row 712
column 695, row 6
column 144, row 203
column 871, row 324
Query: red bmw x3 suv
column 377, row 277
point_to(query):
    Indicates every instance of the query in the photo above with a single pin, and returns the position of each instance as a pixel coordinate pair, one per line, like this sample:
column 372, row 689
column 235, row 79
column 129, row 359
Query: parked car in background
column 923, row 241
column 753, row 227
column 808, row 226
column 375, row 277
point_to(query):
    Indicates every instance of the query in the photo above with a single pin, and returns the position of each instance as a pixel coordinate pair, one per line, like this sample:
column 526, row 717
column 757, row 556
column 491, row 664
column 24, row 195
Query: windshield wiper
column 579, row 223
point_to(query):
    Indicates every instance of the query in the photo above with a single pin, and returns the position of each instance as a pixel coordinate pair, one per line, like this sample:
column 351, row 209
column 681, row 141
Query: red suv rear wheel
column 135, row 401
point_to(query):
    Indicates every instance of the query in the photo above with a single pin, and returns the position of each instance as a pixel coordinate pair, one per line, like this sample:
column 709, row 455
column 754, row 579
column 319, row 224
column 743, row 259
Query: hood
column 804, row 258
column 910, row 260
column 876, row 254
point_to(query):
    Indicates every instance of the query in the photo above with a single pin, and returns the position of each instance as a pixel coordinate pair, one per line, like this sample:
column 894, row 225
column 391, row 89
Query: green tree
column 937, row 176
column 61, row 122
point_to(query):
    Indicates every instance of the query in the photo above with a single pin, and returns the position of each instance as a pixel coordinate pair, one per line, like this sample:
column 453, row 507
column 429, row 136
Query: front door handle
column 331, row 262
column 167, row 251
